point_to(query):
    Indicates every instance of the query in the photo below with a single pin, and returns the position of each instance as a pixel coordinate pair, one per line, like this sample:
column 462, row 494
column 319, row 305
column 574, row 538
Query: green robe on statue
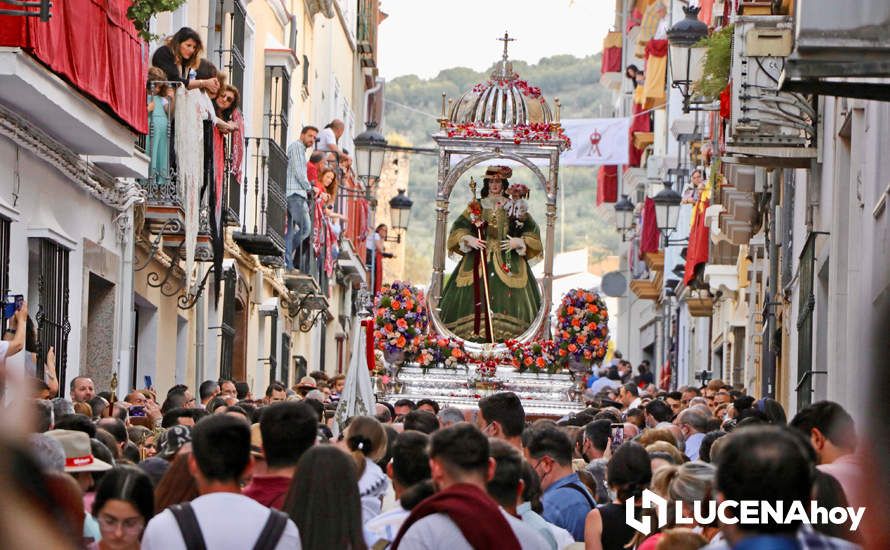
column 514, row 295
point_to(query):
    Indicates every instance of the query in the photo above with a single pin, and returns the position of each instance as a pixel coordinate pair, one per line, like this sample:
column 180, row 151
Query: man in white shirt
column 330, row 135
column 409, row 466
column 222, row 516
column 461, row 515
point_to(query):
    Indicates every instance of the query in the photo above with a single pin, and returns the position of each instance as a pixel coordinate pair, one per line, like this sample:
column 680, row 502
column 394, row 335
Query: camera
column 703, row 376
column 11, row 304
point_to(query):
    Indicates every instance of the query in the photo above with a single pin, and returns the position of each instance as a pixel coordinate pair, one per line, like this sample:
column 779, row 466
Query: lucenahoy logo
column 746, row 512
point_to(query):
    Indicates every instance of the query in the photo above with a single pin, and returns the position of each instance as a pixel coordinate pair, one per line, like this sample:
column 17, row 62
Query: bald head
column 82, row 389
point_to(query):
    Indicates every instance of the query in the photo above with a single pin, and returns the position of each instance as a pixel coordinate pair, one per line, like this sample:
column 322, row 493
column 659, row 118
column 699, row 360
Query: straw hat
column 78, row 454
column 256, row 441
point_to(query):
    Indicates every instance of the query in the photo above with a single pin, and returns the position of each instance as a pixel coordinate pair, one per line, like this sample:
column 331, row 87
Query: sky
column 423, row 37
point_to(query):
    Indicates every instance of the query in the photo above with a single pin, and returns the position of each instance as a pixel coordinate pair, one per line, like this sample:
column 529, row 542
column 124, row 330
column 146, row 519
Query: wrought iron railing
column 263, row 223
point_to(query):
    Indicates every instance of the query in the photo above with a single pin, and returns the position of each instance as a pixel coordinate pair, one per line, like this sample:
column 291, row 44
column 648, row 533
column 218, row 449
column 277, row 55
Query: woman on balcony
column 180, row 56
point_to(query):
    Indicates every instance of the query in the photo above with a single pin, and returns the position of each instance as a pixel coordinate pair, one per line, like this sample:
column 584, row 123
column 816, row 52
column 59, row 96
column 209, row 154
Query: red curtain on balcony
column 93, row 46
column 607, row 184
column 697, row 251
column 649, row 234
column 611, row 62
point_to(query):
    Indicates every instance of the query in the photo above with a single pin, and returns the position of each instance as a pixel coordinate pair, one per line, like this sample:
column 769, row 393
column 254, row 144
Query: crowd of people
column 221, row 468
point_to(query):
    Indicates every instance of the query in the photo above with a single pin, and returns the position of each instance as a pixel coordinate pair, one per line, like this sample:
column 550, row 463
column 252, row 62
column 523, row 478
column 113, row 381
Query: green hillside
column 412, row 106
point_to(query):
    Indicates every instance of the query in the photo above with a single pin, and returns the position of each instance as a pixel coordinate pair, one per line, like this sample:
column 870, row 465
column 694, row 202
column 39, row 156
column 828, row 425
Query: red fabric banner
column 639, row 123
column 368, row 326
column 93, row 46
column 611, row 62
column 657, row 48
column 607, row 184
column 649, row 236
column 697, row 251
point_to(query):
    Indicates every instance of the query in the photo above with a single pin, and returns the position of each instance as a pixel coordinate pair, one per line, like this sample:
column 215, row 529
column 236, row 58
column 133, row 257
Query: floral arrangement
column 487, row 368
column 475, row 214
column 582, row 333
column 468, row 129
column 527, row 89
column 535, row 357
column 400, row 319
column 536, row 131
column 441, row 350
column 540, row 131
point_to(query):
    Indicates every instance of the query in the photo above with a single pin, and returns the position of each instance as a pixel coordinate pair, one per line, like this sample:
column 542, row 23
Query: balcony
column 840, row 52
column 85, row 94
column 767, row 127
column 263, row 224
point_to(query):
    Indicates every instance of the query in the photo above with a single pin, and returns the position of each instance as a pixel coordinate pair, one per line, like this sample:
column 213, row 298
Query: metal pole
column 768, row 380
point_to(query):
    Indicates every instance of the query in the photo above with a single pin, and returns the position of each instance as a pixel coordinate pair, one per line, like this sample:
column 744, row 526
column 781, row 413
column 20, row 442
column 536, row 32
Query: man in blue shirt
column 299, row 193
column 566, row 500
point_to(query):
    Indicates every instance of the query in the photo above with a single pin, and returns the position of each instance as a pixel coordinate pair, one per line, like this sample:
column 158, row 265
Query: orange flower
column 409, row 304
column 442, row 342
column 596, row 342
column 591, row 326
column 396, row 305
column 401, row 342
column 570, row 310
column 587, row 354
column 594, row 309
column 401, row 323
column 573, row 348
column 387, row 327
column 527, row 361
column 406, row 292
column 582, row 339
column 565, row 334
column 381, row 312
column 416, row 341
column 576, row 322
column 540, row 362
column 457, row 353
column 562, row 352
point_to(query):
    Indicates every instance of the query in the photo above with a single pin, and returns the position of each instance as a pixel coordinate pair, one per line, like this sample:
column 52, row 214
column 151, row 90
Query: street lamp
column 667, row 209
column 686, row 53
column 370, row 148
column 400, row 211
column 624, row 212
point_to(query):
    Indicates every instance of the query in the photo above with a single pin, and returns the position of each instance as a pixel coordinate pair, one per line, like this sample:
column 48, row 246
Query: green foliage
column 718, row 59
column 140, row 13
column 574, row 81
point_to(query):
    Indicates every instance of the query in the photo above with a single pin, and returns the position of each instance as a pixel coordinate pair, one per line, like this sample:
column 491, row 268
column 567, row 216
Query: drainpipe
column 200, row 332
column 125, row 327
column 768, row 378
column 368, row 92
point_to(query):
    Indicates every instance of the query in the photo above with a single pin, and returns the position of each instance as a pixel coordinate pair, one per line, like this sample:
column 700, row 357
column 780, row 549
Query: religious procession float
column 488, row 324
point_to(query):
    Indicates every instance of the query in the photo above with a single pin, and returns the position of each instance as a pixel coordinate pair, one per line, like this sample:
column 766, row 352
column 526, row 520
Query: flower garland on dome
column 582, row 332
column 441, row 350
column 400, row 318
column 535, row 357
column 540, row 131
column 521, row 133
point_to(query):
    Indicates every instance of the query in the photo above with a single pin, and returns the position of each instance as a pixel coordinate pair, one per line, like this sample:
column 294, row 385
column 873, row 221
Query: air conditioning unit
column 762, row 116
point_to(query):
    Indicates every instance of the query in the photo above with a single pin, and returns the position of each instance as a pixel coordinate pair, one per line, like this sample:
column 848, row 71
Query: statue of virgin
column 485, row 235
